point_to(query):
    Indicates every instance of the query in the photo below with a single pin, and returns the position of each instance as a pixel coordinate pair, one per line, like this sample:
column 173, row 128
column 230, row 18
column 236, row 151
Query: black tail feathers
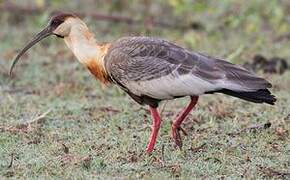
column 259, row 96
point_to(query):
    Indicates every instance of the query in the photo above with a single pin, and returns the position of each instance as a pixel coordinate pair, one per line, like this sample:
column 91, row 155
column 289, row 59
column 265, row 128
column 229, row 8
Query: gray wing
column 163, row 70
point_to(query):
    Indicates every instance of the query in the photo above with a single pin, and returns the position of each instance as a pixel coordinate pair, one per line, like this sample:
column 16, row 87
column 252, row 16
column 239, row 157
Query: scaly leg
column 155, row 128
column 181, row 116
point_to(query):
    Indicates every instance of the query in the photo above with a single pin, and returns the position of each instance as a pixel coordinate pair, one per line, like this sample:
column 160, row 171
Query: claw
column 176, row 135
column 183, row 131
column 175, row 128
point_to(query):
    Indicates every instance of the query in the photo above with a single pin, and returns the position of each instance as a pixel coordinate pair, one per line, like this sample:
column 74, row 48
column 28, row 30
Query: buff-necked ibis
column 151, row 70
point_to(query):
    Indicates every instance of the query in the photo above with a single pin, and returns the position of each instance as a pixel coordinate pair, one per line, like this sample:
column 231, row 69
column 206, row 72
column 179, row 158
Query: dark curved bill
column 41, row 35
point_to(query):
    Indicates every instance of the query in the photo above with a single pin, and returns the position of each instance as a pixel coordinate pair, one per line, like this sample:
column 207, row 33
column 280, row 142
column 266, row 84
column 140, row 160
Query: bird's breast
column 98, row 70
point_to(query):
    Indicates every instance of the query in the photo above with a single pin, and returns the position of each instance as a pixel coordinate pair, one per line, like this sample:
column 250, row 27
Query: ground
column 56, row 120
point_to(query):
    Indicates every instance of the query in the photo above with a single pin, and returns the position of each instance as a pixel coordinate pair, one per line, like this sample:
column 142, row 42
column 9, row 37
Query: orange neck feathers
column 96, row 65
column 83, row 44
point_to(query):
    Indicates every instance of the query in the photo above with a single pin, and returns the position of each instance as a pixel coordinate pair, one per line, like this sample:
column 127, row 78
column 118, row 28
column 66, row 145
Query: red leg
column 155, row 128
column 181, row 116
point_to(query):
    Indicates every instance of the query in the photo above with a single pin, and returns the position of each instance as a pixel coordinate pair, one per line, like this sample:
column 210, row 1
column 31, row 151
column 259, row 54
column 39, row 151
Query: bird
column 150, row 70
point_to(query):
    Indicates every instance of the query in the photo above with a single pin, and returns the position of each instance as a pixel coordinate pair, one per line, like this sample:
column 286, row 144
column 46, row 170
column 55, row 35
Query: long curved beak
column 41, row 35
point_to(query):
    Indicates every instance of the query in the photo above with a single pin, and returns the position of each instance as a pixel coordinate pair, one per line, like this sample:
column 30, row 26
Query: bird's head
column 59, row 25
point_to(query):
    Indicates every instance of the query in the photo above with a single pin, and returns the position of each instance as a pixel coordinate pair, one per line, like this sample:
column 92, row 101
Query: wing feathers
column 162, row 70
column 240, row 78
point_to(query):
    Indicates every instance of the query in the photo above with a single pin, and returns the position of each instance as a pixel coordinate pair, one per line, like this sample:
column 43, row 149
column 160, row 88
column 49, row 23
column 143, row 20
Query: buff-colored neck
column 83, row 44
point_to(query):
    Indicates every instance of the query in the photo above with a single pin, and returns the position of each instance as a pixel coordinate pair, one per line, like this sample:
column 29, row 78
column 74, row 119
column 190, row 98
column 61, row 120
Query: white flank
column 171, row 86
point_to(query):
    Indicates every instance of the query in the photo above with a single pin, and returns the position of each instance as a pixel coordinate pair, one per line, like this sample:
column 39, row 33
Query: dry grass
column 57, row 121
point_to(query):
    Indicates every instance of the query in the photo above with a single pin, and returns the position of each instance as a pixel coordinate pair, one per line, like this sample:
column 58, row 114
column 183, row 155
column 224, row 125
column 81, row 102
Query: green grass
column 91, row 131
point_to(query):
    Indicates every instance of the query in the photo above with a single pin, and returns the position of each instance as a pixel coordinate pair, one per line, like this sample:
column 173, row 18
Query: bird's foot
column 175, row 135
column 149, row 148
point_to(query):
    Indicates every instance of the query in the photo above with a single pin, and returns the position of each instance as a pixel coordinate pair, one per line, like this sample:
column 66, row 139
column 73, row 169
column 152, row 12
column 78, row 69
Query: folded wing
column 162, row 70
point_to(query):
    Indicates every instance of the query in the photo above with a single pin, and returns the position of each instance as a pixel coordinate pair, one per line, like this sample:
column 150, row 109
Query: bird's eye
column 56, row 22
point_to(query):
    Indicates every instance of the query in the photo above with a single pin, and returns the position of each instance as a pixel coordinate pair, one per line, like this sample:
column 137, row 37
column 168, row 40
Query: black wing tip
column 271, row 100
column 266, row 96
column 259, row 96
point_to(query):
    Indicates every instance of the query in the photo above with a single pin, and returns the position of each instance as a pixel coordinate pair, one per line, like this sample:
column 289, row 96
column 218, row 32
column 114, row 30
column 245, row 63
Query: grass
column 90, row 131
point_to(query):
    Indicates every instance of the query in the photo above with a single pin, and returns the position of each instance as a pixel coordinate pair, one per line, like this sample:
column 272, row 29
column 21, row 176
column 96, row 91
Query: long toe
column 183, row 131
column 175, row 134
